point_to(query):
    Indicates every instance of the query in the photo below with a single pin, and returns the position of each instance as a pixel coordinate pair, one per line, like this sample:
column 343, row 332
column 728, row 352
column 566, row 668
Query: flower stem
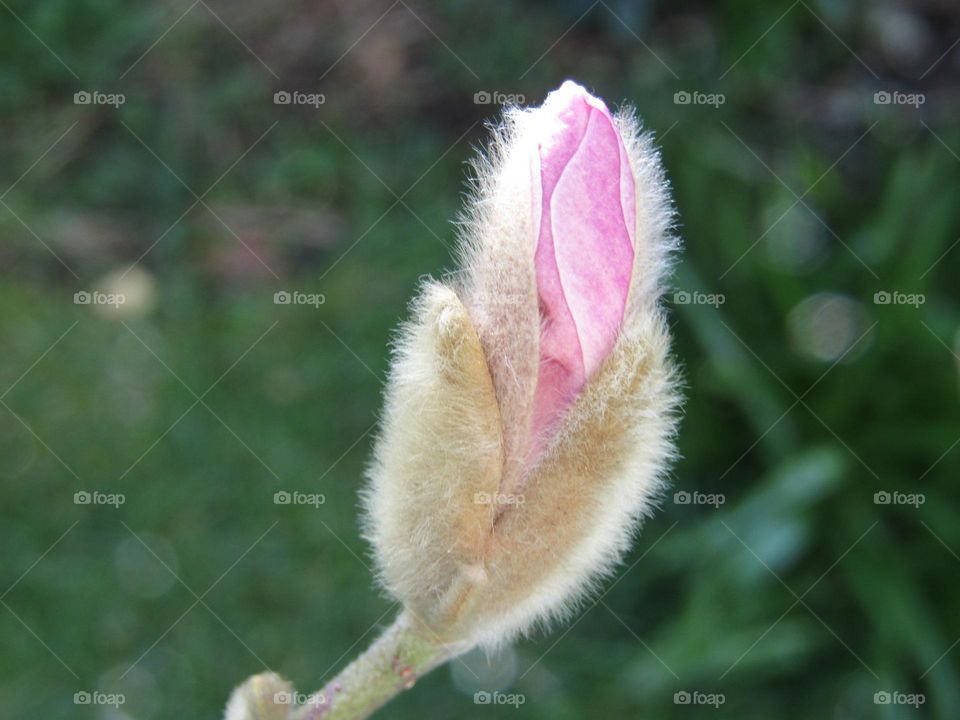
column 402, row 654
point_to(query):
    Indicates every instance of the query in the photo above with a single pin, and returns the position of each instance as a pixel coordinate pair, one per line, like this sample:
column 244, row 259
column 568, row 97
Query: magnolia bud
column 262, row 697
column 531, row 402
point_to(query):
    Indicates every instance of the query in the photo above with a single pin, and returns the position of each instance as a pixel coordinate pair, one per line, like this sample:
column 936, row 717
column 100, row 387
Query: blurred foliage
column 198, row 198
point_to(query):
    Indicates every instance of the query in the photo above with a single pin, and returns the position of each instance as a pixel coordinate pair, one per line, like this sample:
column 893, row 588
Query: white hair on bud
column 498, row 280
column 656, row 240
column 438, row 453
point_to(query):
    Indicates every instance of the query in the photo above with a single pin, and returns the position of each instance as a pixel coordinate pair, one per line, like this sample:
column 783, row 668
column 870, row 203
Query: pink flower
column 584, row 219
column 529, row 417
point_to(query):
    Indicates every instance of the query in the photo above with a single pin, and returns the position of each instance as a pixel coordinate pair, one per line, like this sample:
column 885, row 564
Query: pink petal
column 584, row 216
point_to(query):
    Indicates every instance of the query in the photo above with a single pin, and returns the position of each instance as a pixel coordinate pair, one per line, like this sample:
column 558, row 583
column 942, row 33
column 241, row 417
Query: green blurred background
column 801, row 196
